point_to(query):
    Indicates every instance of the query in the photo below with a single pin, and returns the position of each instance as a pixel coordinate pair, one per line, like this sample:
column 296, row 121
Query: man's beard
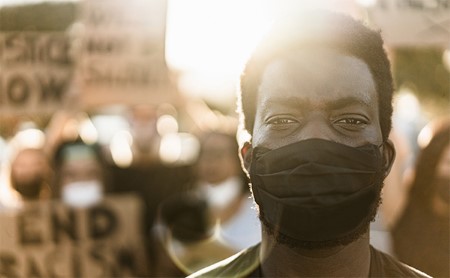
column 304, row 244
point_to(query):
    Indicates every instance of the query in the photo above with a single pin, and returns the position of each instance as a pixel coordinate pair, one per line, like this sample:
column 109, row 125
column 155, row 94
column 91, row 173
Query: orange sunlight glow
column 205, row 35
column 208, row 41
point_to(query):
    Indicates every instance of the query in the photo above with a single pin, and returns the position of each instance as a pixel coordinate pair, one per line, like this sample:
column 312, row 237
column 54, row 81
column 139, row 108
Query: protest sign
column 122, row 53
column 49, row 239
column 35, row 71
column 413, row 22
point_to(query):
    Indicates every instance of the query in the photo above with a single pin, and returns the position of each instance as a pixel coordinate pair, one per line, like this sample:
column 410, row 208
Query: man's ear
column 246, row 155
column 388, row 156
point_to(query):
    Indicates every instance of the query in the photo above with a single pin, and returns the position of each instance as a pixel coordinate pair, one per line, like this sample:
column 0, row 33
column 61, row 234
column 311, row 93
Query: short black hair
column 318, row 29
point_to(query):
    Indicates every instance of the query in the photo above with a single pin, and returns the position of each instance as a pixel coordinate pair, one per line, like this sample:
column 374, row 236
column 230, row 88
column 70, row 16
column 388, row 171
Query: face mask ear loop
column 383, row 167
column 381, row 144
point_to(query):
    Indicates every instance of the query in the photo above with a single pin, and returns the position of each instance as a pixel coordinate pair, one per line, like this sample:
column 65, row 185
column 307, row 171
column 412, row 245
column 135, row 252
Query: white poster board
column 413, row 23
column 49, row 239
column 35, row 71
column 122, row 54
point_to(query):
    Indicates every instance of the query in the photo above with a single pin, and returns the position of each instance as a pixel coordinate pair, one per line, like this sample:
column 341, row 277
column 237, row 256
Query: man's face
column 217, row 161
column 317, row 94
column 85, row 169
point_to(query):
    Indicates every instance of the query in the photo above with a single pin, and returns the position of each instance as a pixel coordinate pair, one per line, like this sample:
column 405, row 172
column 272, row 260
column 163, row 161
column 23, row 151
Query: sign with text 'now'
column 35, row 71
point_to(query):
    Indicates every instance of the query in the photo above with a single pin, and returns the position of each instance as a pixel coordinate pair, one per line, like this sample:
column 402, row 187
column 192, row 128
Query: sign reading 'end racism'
column 53, row 240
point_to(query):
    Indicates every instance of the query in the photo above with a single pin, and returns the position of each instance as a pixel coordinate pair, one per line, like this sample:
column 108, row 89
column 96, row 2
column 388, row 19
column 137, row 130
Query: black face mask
column 316, row 190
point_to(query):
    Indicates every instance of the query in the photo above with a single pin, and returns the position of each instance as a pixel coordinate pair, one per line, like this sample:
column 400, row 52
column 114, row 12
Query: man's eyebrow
column 348, row 101
column 304, row 104
column 293, row 102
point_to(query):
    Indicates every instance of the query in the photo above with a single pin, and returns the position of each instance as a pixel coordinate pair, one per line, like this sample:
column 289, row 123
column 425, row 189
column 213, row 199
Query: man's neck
column 352, row 260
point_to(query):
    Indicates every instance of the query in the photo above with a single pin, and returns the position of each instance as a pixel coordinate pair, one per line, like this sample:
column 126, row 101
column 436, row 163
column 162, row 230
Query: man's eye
column 351, row 122
column 281, row 121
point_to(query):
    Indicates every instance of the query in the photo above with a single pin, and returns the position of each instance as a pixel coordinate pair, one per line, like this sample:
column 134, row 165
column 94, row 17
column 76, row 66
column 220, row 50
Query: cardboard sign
column 413, row 22
column 49, row 239
column 122, row 54
column 35, row 71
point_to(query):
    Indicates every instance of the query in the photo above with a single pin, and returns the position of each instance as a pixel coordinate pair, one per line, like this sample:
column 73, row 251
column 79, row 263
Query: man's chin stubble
column 283, row 239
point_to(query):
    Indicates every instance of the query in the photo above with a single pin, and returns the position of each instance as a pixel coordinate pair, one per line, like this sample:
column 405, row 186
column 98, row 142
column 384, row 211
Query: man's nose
column 316, row 127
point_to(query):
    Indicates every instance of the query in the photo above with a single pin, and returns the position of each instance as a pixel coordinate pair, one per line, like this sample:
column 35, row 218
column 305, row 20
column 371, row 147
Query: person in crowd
column 316, row 99
column 214, row 219
column 421, row 234
column 394, row 194
column 221, row 181
column 26, row 172
column 185, row 236
column 81, row 175
column 83, row 181
column 148, row 177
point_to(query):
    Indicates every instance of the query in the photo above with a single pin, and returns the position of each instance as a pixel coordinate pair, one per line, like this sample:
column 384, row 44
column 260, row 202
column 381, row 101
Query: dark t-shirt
column 246, row 264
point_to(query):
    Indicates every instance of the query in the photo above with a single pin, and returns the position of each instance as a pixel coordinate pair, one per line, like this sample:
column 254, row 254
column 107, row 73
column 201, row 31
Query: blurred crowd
column 187, row 176
column 197, row 206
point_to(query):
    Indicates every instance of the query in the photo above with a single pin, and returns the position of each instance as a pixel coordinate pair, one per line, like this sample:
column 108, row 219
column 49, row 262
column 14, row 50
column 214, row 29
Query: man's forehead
column 299, row 102
column 323, row 71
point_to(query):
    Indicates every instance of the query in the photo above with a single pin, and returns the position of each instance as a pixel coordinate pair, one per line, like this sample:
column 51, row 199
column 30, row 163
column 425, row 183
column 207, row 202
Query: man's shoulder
column 383, row 265
column 241, row 264
column 246, row 262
